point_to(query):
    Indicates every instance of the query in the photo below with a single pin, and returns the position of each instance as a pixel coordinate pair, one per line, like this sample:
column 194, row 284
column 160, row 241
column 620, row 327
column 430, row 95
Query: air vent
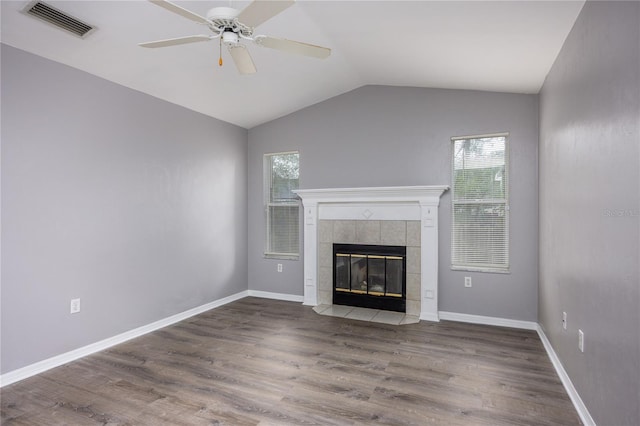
column 58, row 18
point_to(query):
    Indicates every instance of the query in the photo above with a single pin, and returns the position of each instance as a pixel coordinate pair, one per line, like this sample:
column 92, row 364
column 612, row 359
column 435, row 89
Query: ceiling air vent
column 58, row 18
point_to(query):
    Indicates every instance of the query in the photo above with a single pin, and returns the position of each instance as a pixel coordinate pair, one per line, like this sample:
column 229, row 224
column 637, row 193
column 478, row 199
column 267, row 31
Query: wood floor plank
column 268, row 362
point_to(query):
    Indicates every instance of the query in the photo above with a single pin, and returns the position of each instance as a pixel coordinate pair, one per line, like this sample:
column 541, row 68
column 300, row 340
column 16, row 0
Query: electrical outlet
column 467, row 281
column 564, row 320
column 75, row 306
column 279, row 267
column 581, row 340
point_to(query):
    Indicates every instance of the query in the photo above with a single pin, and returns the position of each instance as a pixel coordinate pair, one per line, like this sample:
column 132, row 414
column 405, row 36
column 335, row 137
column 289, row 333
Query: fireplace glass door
column 370, row 276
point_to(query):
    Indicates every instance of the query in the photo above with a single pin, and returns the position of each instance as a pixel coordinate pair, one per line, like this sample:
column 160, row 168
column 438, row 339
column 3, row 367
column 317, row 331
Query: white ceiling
column 506, row 46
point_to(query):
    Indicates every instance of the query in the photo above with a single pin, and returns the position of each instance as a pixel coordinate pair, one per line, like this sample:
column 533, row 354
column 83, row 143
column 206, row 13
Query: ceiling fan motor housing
column 224, row 20
column 222, row 13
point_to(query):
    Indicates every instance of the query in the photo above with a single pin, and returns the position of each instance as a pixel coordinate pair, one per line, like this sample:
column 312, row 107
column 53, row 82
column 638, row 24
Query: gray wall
column 132, row 204
column 590, row 208
column 385, row 136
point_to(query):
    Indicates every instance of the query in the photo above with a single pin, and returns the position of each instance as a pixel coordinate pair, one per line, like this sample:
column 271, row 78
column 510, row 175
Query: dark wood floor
column 259, row 361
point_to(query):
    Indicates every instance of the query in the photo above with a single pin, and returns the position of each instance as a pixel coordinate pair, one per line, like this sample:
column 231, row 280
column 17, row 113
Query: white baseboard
column 479, row 319
column 277, row 296
column 586, row 418
column 429, row 317
column 58, row 360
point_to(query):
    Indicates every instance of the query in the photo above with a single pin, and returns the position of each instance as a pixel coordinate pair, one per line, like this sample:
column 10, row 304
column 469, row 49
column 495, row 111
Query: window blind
column 480, row 205
column 282, row 207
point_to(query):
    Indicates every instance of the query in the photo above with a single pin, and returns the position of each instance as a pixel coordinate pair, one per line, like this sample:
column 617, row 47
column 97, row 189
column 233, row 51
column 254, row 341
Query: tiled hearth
column 366, row 314
column 405, row 215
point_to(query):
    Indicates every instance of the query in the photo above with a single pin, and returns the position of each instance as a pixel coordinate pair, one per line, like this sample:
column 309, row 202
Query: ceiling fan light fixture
column 229, row 38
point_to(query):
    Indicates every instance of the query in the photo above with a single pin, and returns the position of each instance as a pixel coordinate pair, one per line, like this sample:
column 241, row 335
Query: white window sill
column 480, row 269
column 282, row 256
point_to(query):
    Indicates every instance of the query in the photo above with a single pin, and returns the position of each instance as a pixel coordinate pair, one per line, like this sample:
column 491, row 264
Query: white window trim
column 266, row 201
column 487, row 269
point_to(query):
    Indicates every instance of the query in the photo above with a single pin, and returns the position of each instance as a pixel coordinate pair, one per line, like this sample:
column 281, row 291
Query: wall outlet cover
column 75, row 306
column 581, row 340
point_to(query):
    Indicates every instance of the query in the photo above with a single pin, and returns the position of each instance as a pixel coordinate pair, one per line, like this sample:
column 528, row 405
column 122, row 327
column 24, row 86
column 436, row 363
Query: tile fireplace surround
column 401, row 215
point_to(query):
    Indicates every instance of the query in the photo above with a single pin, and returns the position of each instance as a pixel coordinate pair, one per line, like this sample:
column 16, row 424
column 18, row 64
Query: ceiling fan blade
column 242, row 59
column 180, row 11
column 175, row 41
column 295, row 47
column 260, row 11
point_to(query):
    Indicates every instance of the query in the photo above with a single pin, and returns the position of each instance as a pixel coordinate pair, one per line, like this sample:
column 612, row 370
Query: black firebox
column 370, row 276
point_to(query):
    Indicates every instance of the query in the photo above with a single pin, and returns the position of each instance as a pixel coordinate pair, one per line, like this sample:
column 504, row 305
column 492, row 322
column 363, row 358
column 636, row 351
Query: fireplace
column 370, row 276
column 374, row 215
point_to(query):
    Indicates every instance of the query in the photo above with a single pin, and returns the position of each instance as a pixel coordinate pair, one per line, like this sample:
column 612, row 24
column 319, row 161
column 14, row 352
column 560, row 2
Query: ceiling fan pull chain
column 220, row 60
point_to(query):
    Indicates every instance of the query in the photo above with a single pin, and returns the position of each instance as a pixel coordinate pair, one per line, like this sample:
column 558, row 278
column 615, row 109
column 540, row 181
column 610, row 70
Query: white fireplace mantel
column 418, row 203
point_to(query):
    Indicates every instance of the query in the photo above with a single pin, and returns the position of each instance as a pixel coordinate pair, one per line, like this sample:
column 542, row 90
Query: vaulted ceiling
column 506, row 46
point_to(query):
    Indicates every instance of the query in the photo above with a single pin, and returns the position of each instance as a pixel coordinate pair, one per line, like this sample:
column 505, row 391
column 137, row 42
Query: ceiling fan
column 231, row 26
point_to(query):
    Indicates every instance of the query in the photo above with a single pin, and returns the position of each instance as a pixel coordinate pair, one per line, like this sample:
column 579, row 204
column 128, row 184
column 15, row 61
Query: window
column 480, row 223
column 281, row 176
